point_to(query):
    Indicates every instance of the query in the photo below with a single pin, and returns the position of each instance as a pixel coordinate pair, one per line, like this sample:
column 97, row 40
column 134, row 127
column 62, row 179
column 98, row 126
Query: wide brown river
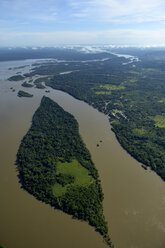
column 134, row 203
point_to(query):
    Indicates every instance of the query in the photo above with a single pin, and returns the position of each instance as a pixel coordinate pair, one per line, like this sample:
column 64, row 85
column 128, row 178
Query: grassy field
column 132, row 80
column 105, row 89
column 162, row 101
column 116, row 111
column 111, row 87
column 102, row 93
column 134, row 72
column 80, row 174
column 159, row 121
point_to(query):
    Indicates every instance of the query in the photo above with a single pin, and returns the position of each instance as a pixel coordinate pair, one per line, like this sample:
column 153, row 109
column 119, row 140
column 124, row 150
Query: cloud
column 116, row 36
column 122, row 11
column 81, row 14
column 46, row 38
column 132, row 19
column 52, row 17
column 29, row 10
column 133, row 36
column 116, row 11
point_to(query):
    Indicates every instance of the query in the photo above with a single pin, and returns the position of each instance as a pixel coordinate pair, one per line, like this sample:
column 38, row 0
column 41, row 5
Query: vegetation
column 47, row 52
column 68, row 173
column 131, row 93
column 162, row 101
column 40, row 86
column 111, row 87
column 22, row 93
column 16, row 78
column 55, row 166
column 38, row 82
column 27, row 85
column 159, row 121
column 102, row 93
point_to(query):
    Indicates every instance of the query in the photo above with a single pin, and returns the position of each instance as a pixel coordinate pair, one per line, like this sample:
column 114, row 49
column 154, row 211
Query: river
column 134, row 203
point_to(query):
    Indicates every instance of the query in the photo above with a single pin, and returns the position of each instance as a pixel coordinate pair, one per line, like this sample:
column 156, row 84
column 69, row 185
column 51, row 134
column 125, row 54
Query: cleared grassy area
column 75, row 169
column 159, row 121
column 111, row 87
column 134, row 72
column 151, row 70
column 132, row 80
column 59, row 190
column 162, row 101
column 102, row 93
column 116, row 111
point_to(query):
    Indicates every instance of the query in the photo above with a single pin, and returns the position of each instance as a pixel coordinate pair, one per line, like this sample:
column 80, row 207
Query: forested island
column 27, row 85
column 16, row 78
column 55, row 166
column 22, row 93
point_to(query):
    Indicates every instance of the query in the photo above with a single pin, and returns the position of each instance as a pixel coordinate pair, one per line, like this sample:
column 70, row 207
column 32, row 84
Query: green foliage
column 55, row 166
column 41, row 80
column 159, row 121
column 68, row 173
column 64, row 179
column 102, row 93
column 133, row 100
column 27, row 85
column 38, row 82
column 40, row 86
column 139, row 132
column 16, row 78
column 111, row 87
column 162, row 101
column 22, row 93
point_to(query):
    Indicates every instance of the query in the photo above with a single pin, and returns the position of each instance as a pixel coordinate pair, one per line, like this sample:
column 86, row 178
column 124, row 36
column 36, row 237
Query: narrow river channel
column 134, row 203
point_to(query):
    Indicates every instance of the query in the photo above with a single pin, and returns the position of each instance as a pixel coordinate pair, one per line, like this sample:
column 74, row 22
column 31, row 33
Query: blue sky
column 58, row 22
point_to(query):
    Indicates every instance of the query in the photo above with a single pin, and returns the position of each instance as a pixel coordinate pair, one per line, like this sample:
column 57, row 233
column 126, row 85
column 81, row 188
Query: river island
column 55, row 166
column 22, row 93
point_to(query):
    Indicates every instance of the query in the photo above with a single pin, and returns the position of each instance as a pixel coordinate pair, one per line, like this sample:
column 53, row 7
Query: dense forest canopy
column 22, row 93
column 130, row 91
column 55, row 166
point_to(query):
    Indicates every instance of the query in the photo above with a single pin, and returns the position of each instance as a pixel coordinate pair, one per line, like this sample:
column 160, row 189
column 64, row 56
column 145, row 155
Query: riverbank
column 133, row 197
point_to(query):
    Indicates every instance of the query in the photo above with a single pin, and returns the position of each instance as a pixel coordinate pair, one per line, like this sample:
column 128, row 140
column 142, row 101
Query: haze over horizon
column 60, row 22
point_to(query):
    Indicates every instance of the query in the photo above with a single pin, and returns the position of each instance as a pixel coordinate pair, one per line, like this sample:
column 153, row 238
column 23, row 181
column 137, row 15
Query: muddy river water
column 134, row 203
